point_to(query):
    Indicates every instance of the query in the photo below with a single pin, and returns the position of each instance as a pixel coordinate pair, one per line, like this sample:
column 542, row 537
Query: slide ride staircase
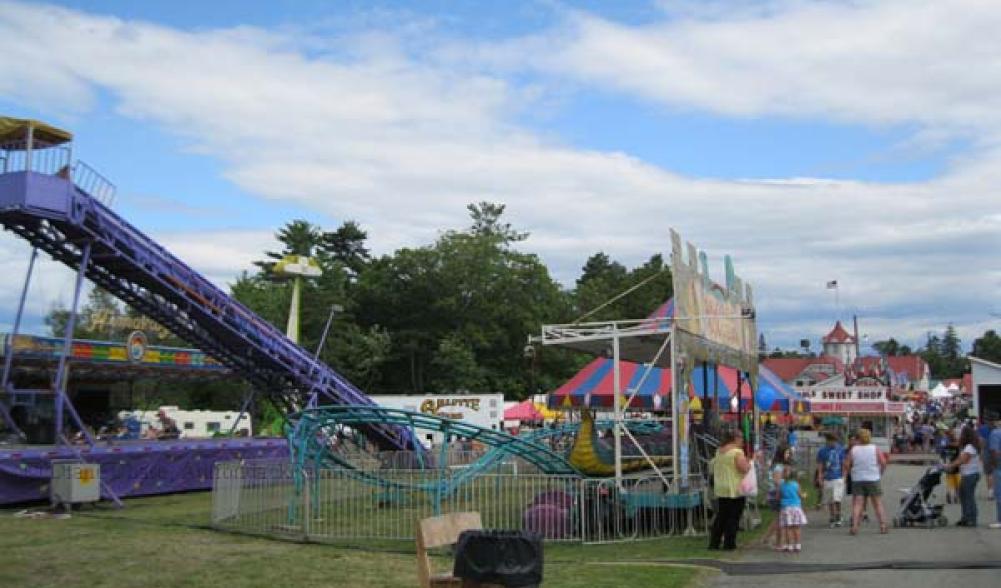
column 56, row 215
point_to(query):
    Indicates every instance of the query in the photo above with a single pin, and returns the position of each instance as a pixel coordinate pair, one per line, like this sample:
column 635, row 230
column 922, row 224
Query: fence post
column 307, row 505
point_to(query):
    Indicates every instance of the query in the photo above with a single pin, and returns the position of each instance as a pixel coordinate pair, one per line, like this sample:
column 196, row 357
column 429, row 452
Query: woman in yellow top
column 728, row 467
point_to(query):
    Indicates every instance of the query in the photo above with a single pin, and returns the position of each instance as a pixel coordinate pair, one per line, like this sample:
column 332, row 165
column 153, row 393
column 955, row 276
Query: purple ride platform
column 131, row 468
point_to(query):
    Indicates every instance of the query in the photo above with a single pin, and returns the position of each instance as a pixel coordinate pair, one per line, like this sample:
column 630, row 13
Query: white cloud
column 401, row 142
column 888, row 62
column 219, row 255
column 51, row 285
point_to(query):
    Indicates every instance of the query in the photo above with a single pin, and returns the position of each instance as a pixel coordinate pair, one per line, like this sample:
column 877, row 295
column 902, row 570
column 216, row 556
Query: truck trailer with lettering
column 482, row 410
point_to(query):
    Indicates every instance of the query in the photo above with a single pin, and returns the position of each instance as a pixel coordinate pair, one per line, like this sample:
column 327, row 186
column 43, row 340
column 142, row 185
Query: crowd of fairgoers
column 931, row 425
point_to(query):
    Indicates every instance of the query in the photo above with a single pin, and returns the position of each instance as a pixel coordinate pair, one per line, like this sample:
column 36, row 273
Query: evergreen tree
column 601, row 280
column 346, row 245
column 952, row 354
column 988, row 346
column 951, row 346
column 657, row 287
column 932, row 354
column 298, row 237
column 944, row 355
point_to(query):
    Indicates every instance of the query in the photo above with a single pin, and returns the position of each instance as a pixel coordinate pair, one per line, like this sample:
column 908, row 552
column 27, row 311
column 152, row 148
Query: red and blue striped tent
column 593, row 386
column 664, row 311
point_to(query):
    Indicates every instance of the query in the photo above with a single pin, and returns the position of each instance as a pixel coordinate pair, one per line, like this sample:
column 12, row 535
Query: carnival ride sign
column 134, row 350
column 105, row 319
column 713, row 322
column 847, row 393
column 450, row 408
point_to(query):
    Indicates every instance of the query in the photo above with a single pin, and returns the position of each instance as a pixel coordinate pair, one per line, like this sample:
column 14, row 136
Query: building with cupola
column 854, row 390
column 840, row 344
column 841, row 365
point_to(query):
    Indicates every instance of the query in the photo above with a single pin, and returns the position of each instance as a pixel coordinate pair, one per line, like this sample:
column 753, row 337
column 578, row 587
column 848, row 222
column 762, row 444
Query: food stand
column 859, row 406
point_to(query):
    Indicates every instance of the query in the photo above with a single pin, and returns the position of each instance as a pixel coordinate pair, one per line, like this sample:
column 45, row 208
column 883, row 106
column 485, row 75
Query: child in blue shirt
column 791, row 517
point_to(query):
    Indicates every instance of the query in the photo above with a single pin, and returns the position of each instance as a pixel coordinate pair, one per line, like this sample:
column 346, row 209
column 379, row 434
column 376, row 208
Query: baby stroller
column 916, row 507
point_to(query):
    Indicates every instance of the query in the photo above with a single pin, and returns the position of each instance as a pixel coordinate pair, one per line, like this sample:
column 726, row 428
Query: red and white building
column 840, row 365
column 866, row 390
column 840, row 344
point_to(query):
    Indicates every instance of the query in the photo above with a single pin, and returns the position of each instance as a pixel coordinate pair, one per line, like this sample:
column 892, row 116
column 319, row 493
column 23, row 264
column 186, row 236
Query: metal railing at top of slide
column 50, row 160
column 90, row 181
column 57, row 161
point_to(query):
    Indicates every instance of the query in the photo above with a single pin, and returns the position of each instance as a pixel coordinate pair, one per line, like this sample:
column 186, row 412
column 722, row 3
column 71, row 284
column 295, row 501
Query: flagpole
column 833, row 285
column 837, row 301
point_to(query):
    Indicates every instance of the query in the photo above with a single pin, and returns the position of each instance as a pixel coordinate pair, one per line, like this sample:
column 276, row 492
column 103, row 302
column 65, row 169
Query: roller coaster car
column 591, row 459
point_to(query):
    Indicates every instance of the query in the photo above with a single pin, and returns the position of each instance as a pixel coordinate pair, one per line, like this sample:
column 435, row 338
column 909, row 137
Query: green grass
column 165, row 541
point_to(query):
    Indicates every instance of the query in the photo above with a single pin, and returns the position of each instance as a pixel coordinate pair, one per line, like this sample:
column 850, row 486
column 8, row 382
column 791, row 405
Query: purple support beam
column 7, row 417
column 243, row 409
column 9, row 355
column 8, row 359
column 61, row 377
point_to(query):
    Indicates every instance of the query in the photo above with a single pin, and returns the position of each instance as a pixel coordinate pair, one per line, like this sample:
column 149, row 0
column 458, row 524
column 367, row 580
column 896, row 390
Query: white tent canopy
column 940, row 391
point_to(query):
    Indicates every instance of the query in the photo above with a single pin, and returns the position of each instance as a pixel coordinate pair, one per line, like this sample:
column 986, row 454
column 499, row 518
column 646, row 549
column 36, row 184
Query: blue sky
column 792, row 135
column 688, row 141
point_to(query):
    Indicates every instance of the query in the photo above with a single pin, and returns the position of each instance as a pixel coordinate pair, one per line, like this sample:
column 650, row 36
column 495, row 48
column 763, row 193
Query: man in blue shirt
column 993, row 462
column 984, row 430
column 829, row 465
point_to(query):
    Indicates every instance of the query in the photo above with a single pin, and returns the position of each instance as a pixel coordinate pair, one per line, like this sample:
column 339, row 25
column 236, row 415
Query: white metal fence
column 332, row 505
column 256, row 497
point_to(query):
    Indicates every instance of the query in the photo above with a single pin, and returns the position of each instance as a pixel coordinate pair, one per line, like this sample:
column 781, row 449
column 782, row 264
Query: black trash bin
column 506, row 558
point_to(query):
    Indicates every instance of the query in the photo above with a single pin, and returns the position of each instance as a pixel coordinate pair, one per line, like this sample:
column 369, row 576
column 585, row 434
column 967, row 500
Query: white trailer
column 986, row 392
column 193, row 424
column 482, row 410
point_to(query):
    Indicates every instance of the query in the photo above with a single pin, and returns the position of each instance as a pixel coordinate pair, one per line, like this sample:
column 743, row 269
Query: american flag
column 832, row 284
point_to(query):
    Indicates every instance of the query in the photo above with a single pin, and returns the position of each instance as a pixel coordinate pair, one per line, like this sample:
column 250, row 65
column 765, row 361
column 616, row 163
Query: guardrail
column 50, row 160
column 57, row 161
column 90, row 181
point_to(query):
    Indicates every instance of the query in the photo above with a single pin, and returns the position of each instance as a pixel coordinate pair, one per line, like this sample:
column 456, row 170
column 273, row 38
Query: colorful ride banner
column 713, row 323
column 132, row 351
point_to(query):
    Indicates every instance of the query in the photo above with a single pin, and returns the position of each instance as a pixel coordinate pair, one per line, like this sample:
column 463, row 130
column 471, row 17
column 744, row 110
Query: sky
column 847, row 140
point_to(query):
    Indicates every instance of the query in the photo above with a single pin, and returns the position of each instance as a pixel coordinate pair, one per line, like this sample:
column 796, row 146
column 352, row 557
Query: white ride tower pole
column 617, row 402
column 677, row 388
column 297, row 267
